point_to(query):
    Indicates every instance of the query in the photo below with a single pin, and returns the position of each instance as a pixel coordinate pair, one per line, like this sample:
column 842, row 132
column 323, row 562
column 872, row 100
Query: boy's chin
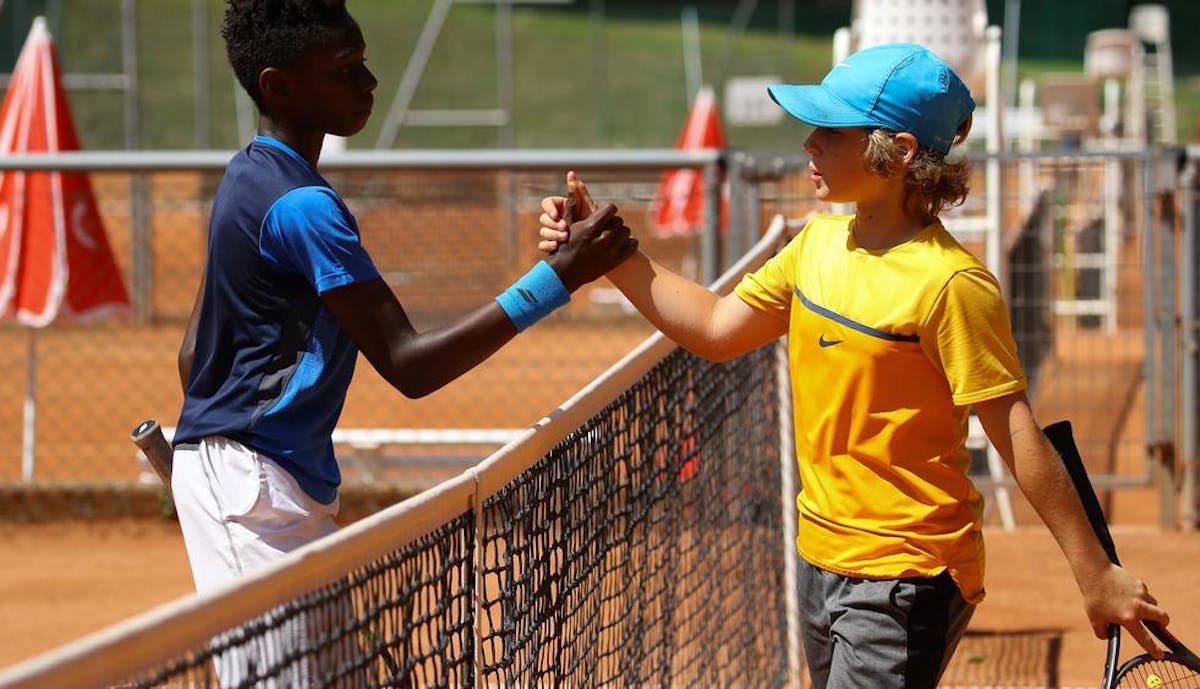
column 352, row 128
column 824, row 195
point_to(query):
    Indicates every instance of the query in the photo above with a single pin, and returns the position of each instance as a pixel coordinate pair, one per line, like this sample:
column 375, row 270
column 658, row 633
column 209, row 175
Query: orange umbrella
column 679, row 203
column 54, row 253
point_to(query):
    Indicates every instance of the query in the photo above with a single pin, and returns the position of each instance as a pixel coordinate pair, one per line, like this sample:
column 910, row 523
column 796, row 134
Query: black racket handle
column 1063, row 440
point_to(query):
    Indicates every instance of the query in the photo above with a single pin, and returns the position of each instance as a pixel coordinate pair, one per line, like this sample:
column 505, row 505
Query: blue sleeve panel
column 309, row 231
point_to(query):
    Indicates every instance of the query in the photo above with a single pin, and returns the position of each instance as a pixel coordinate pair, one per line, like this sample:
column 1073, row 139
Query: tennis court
column 625, row 553
column 1029, row 633
column 63, row 580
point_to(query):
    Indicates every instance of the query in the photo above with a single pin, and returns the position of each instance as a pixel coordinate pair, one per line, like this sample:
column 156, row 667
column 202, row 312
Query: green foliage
column 577, row 82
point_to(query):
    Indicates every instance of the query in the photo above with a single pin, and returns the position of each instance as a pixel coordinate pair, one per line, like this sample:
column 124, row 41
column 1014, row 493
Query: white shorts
column 239, row 510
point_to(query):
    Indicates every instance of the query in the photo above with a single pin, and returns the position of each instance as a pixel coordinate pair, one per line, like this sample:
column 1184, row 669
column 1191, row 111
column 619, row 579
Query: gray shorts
column 889, row 634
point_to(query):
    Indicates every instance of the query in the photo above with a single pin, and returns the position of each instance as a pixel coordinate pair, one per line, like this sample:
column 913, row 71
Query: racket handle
column 1063, row 440
column 148, row 436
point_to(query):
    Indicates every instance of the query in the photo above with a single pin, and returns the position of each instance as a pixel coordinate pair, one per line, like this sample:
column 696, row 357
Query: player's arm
column 711, row 326
column 415, row 363
column 187, row 349
column 418, row 363
column 1111, row 594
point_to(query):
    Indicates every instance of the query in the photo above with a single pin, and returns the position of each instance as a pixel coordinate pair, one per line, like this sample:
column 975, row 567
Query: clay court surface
column 60, row 581
column 64, row 578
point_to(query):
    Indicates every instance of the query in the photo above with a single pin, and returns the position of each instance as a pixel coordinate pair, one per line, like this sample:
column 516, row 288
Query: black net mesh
column 645, row 549
column 404, row 620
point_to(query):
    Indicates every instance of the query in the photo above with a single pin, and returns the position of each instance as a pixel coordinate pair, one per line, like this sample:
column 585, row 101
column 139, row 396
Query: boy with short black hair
column 895, row 332
column 290, row 297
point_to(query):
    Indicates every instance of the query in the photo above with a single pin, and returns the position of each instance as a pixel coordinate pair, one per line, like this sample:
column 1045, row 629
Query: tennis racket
column 148, row 436
column 1179, row 667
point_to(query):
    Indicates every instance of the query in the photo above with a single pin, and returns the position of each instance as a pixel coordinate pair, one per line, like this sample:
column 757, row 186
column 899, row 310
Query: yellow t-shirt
column 888, row 349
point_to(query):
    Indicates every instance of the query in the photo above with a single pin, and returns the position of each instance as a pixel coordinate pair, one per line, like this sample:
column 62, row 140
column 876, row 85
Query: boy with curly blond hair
column 895, row 332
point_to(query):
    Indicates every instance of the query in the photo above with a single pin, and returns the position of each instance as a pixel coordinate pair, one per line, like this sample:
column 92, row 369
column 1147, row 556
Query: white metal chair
column 1116, row 57
column 955, row 30
column 1151, row 23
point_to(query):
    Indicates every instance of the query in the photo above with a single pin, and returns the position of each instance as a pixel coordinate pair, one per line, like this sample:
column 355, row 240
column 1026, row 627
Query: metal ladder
column 1152, row 25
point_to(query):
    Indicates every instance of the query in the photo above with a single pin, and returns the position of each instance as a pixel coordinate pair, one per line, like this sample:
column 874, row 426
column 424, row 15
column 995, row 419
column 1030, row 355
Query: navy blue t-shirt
column 272, row 365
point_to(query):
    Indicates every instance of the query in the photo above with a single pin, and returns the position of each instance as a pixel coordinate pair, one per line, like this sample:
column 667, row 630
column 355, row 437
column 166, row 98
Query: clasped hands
column 582, row 250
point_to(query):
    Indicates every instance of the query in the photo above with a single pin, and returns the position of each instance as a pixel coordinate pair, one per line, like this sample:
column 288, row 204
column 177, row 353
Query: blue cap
column 898, row 86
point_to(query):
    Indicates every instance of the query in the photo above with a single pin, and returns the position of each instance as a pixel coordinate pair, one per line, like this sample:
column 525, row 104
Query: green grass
column 574, row 86
column 620, row 84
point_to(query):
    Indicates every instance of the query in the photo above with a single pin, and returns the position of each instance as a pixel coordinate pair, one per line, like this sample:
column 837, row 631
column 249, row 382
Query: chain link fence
column 446, row 237
column 1091, row 261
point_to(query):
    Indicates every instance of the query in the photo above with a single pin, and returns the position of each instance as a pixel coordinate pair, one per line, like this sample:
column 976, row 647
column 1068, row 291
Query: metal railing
column 1101, row 298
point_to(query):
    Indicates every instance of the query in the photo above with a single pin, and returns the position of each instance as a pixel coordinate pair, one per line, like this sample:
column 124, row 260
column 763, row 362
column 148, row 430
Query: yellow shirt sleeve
column 968, row 336
column 769, row 289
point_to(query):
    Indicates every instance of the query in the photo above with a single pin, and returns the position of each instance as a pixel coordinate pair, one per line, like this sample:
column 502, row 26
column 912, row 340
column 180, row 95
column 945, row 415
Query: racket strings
column 1167, row 673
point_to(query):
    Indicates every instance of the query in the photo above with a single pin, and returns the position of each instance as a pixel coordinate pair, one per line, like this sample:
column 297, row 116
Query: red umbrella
column 679, row 203
column 54, row 253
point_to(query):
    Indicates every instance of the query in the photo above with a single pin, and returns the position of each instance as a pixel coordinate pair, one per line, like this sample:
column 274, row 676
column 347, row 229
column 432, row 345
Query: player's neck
column 303, row 142
column 885, row 224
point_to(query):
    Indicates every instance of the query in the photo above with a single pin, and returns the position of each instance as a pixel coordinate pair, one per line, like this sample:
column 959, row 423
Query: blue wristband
column 534, row 296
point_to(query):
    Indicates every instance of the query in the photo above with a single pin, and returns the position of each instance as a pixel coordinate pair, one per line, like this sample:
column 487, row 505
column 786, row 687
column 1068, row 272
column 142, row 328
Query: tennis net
column 636, row 536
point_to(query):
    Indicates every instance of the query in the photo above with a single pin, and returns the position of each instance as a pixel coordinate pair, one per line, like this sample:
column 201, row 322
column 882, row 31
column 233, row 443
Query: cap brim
column 814, row 104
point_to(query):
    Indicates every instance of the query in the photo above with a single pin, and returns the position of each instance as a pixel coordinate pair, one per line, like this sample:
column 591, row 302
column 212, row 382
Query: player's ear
column 273, row 85
column 963, row 130
column 906, row 146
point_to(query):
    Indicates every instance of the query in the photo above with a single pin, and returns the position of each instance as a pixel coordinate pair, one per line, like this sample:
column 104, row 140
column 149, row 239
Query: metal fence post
column 710, row 251
column 1161, row 185
column 753, row 202
column 1189, row 345
column 736, row 235
column 139, row 218
column 788, row 489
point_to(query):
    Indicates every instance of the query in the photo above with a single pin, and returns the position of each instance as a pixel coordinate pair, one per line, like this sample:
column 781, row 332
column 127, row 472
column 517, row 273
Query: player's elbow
column 413, row 390
column 402, row 369
column 717, row 355
column 184, row 362
column 413, row 386
column 714, row 348
column 705, row 351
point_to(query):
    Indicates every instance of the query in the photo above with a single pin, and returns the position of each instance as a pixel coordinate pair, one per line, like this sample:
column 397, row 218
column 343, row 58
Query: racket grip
column 1063, row 440
column 148, row 436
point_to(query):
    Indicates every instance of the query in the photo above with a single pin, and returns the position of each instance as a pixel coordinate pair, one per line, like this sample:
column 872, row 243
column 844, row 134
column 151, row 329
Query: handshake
column 583, row 242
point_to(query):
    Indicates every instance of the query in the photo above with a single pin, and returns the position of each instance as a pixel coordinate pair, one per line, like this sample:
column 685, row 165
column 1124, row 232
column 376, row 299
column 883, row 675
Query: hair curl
column 932, row 182
column 275, row 33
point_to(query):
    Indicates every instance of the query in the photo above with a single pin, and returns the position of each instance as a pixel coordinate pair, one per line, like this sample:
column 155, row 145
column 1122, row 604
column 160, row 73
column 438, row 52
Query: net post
column 477, row 563
column 788, row 490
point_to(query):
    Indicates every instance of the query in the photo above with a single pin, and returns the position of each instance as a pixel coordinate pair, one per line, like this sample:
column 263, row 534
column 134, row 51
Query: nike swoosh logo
column 827, row 343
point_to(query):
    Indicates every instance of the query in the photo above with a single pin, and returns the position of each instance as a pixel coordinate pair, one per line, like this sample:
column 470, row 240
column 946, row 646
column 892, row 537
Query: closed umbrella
column 679, row 203
column 55, row 258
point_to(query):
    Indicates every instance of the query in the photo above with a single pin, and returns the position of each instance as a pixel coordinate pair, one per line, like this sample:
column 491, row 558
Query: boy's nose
column 368, row 79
